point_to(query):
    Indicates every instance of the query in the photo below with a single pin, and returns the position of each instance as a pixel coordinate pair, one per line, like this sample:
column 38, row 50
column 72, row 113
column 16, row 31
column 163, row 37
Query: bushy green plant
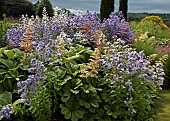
column 155, row 19
column 153, row 29
column 11, row 71
column 133, row 25
column 146, row 44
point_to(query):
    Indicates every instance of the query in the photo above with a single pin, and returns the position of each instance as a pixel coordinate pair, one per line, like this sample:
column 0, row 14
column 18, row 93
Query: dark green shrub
column 10, row 69
column 123, row 6
column 16, row 8
column 106, row 7
column 167, row 72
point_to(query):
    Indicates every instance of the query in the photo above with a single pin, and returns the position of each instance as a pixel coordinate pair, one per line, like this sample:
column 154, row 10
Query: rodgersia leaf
column 79, row 113
column 67, row 115
column 74, row 117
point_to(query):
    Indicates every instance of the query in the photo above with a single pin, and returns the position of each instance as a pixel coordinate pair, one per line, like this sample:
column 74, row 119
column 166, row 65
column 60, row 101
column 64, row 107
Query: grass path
column 163, row 112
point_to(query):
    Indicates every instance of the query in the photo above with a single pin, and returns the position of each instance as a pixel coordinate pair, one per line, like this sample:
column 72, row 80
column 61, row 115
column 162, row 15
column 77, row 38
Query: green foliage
column 90, row 98
column 16, row 8
column 155, row 19
column 145, row 44
column 47, row 4
column 10, row 71
column 153, row 29
column 123, row 6
column 41, row 104
column 167, row 72
column 106, row 7
column 5, row 98
column 3, row 29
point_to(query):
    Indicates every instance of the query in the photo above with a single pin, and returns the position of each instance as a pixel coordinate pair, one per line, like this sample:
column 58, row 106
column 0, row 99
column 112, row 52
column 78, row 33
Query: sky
column 134, row 6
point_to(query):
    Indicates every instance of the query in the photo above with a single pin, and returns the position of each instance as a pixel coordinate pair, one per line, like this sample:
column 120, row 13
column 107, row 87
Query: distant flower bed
column 80, row 68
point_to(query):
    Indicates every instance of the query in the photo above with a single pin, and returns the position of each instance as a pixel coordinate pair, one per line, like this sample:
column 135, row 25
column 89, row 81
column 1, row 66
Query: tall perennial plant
column 82, row 69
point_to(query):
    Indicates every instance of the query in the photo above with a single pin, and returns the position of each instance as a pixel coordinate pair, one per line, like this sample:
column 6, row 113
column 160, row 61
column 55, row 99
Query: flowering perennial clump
column 84, row 69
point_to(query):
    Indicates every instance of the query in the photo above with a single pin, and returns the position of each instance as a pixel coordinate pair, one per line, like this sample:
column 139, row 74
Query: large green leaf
column 87, row 105
column 74, row 57
column 67, row 115
column 64, row 110
column 65, row 98
column 10, row 54
column 51, row 74
column 8, row 84
column 61, row 73
column 2, row 49
column 2, row 88
column 5, row 98
column 3, row 67
column 74, row 117
column 67, row 77
column 18, row 53
column 79, row 113
column 3, row 71
column 7, row 63
column 14, row 73
column 94, row 104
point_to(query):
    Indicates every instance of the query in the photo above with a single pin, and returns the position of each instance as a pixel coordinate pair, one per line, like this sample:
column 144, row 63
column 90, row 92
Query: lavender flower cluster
column 42, row 55
column 7, row 110
column 13, row 36
column 126, row 61
column 50, row 28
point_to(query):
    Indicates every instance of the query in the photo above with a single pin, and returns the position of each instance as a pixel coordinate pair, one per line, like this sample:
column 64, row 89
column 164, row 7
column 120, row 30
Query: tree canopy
column 17, row 8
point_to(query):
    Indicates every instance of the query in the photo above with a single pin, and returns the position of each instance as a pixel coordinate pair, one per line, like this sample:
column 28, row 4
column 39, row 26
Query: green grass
column 163, row 106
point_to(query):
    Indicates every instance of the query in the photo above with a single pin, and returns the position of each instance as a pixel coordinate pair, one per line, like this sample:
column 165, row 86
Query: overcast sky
column 153, row 6
column 150, row 6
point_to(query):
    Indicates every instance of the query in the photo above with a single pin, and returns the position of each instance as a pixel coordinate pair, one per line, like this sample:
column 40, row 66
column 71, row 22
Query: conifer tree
column 2, row 2
column 106, row 7
column 123, row 6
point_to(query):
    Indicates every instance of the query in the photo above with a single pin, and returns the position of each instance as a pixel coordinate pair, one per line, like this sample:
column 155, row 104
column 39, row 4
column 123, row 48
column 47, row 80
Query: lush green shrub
column 155, row 19
column 106, row 7
column 146, row 44
column 12, row 70
column 152, row 28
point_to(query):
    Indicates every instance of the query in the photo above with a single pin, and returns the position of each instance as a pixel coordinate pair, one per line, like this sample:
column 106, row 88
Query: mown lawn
column 163, row 109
